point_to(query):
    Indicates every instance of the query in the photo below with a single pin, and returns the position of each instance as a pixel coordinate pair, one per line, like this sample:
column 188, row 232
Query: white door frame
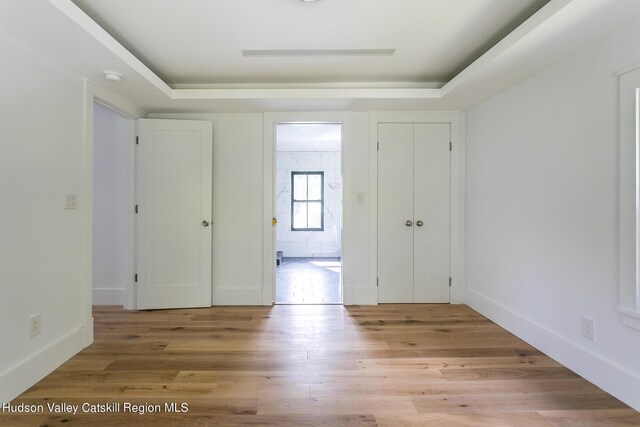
column 94, row 93
column 457, row 200
column 269, row 241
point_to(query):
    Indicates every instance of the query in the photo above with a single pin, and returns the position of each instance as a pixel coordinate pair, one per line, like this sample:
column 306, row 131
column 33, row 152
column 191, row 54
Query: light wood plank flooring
column 388, row 365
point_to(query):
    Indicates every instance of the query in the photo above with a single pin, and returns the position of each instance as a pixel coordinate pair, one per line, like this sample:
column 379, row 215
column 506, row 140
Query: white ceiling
column 308, row 137
column 61, row 31
column 200, row 41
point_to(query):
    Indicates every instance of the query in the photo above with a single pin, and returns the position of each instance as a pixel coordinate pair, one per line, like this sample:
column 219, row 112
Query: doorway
column 308, row 201
column 113, row 158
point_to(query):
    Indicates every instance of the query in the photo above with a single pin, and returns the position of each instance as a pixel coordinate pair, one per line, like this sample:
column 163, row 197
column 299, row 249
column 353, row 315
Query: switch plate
column 35, row 325
column 588, row 329
column 71, row 201
column 360, row 198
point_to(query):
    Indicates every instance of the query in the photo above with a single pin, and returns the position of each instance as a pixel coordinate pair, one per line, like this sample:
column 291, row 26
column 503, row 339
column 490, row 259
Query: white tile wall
column 309, row 243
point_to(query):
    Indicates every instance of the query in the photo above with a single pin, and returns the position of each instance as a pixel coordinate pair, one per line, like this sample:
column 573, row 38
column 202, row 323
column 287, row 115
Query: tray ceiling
column 171, row 53
column 201, row 42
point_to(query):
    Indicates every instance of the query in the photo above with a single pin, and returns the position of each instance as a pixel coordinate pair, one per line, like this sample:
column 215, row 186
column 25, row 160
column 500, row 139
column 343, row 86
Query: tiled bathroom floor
column 308, row 281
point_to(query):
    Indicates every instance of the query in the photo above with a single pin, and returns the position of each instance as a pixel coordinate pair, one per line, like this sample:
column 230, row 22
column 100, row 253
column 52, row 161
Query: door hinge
column 377, row 281
column 135, row 277
column 378, row 146
column 450, row 146
column 449, row 281
column 137, row 140
column 136, row 208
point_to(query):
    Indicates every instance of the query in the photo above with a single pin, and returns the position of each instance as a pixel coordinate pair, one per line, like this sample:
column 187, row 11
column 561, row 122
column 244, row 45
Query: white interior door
column 395, row 208
column 174, row 190
column 431, row 213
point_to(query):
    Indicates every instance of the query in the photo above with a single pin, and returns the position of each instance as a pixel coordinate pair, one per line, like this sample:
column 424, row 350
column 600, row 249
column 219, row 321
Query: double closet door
column 413, row 212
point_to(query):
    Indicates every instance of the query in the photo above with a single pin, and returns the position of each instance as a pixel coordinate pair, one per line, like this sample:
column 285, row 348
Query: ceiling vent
column 271, row 53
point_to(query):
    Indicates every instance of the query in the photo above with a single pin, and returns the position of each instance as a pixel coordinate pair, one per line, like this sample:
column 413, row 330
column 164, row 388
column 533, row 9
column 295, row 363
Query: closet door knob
column 408, row 223
column 419, row 223
column 205, row 223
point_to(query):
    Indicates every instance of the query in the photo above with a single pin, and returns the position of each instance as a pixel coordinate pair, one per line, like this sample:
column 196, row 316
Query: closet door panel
column 395, row 208
column 431, row 209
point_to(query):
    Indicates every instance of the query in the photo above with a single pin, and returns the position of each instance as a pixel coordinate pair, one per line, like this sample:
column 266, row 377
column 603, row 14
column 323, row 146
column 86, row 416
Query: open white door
column 174, row 213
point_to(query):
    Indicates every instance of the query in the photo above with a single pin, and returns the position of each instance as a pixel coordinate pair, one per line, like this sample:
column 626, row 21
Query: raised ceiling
column 200, row 42
column 162, row 46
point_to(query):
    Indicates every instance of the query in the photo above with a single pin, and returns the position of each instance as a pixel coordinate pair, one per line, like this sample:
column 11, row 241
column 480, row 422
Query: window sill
column 630, row 318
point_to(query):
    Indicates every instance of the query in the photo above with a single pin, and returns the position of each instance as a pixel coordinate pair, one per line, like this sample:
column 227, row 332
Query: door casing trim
column 269, row 253
column 94, row 93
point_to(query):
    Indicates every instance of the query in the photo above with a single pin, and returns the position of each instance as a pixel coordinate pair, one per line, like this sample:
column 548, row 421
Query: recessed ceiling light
column 112, row 76
column 309, row 1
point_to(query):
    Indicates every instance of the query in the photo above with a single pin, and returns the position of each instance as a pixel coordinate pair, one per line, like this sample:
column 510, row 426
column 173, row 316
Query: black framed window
column 307, row 201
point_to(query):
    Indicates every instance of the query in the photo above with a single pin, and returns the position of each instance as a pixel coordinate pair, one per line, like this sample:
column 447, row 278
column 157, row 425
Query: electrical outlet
column 588, row 329
column 35, row 325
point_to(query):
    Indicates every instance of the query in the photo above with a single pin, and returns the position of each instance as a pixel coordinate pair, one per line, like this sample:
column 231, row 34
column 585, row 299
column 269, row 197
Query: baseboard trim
column 87, row 332
column 457, row 294
column 108, row 296
column 235, row 296
column 604, row 373
column 364, row 296
column 25, row 374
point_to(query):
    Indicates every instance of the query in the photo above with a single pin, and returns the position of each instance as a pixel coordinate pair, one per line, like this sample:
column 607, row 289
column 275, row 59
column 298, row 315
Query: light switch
column 360, row 198
column 71, row 201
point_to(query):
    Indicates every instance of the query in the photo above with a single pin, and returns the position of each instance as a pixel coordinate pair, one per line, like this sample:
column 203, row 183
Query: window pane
column 315, row 187
column 315, row 214
column 300, row 187
column 299, row 215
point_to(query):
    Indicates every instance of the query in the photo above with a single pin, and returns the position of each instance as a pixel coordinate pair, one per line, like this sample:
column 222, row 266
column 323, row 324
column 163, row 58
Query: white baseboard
column 87, row 332
column 457, row 293
column 364, row 296
column 108, row 296
column 20, row 377
column 234, row 296
column 604, row 373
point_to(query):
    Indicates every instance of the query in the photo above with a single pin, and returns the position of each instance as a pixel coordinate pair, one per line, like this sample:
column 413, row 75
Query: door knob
column 408, row 223
column 419, row 223
column 205, row 223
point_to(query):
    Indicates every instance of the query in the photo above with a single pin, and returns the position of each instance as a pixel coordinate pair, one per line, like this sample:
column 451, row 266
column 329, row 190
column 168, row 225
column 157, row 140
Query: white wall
column 324, row 243
column 41, row 111
column 542, row 213
column 113, row 154
column 359, row 277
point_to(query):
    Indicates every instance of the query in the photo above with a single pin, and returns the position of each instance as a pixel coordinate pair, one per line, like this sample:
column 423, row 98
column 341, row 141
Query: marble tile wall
column 308, row 243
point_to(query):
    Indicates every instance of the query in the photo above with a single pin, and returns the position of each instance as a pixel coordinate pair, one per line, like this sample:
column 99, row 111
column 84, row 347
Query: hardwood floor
column 388, row 365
